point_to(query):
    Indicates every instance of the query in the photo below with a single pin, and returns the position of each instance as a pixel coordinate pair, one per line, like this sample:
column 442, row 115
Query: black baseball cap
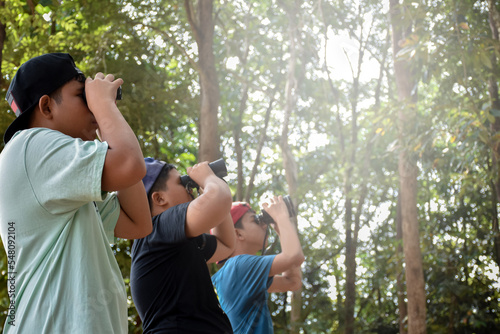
column 38, row 76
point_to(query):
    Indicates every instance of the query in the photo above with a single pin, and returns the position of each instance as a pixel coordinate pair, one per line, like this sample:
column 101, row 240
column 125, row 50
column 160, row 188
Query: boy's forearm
column 224, row 232
column 294, row 275
column 290, row 243
column 134, row 204
column 124, row 165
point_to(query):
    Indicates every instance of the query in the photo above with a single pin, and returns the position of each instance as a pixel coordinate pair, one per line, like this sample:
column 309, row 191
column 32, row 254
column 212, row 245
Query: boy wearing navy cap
column 169, row 278
column 245, row 279
column 57, row 219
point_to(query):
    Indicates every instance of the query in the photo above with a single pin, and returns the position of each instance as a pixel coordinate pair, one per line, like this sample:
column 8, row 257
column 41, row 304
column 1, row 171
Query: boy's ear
column 158, row 198
column 44, row 106
column 239, row 235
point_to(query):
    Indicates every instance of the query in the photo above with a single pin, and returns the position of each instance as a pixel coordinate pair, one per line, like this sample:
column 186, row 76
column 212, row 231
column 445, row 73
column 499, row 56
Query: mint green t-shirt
column 56, row 227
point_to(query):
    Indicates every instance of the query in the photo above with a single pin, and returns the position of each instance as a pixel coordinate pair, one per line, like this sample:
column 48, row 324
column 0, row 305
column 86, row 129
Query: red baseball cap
column 238, row 209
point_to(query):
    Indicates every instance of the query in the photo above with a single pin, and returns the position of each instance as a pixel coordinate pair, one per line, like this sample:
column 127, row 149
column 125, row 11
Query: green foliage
column 151, row 46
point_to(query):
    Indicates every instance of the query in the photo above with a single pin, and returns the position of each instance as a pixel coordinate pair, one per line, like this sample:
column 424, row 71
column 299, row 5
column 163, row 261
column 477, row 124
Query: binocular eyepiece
column 218, row 167
column 265, row 218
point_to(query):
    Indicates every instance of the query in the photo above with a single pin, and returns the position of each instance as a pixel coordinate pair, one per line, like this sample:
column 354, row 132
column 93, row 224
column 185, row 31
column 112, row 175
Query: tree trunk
column 403, row 313
column 408, row 171
column 203, row 31
column 237, row 143
column 260, row 146
column 494, row 18
column 289, row 162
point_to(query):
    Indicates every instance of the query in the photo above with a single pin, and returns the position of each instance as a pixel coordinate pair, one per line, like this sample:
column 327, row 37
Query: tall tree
column 408, row 171
column 291, row 95
column 202, row 25
column 494, row 19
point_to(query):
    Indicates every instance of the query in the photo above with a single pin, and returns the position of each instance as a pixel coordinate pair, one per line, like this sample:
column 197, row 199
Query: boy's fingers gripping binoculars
column 218, row 167
column 265, row 218
column 118, row 94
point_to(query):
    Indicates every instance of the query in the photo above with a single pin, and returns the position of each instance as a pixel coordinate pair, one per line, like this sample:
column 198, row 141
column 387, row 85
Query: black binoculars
column 118, row 94
column 265, row 218
column 218, row 167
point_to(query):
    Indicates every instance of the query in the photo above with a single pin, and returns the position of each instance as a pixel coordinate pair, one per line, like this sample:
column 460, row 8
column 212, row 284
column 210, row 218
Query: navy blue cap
column 153, row 169
column 35, row 78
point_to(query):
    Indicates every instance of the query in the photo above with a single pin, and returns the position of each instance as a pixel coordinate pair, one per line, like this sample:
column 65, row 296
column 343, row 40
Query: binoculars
column 118, row 94
column 218, row 167
column 265, row 218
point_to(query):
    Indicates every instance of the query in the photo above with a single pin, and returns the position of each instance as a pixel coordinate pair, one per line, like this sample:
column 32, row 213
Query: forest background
column 380, row 118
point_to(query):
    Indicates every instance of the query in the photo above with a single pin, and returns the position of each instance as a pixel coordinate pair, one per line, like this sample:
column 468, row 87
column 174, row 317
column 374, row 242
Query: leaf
column 485, row 60
column 464, row 26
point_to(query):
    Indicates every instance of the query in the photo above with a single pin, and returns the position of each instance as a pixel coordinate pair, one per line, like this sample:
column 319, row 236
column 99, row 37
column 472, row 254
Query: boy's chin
column 89, row 136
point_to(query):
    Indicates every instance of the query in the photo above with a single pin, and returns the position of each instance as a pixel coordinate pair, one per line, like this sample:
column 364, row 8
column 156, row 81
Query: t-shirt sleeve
column 171, row 229
column 109, row 210
column 255, row 270
column 170, row 225
column 64, row 172
column 207, row 244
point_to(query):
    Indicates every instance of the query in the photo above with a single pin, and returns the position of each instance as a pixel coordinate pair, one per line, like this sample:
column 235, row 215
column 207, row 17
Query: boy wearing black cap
column 245, row 279
column 169, row 278
column 56, row 217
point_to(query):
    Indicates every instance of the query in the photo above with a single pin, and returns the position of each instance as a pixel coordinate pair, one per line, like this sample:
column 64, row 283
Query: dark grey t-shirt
column 170, row 281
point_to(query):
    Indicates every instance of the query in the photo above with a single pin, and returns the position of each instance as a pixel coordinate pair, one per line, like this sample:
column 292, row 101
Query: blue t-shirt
column 242, row 285
column 170, row 281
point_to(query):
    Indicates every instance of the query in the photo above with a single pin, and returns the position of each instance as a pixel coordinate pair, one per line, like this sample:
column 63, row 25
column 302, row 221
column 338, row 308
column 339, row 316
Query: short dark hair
column 161, row 182
column 57, row 94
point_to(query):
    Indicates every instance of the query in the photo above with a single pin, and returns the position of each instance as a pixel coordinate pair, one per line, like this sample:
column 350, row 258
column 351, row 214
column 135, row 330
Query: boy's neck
column 242, row 248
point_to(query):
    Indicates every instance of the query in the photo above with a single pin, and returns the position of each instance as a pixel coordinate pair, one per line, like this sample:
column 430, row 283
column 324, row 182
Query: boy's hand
column 277, row 209
column 101, row 91
column 199, row 173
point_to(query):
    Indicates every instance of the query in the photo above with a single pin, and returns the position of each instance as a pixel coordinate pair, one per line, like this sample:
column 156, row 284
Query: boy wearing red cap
column 245, row 279
column 57, row 219
column 169, row 277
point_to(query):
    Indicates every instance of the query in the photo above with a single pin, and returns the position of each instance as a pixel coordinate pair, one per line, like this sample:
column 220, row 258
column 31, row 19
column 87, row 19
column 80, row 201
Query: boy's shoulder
column 39, row 134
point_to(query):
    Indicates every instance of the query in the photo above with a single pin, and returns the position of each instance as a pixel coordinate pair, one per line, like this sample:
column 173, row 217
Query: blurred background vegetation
column 308, row 102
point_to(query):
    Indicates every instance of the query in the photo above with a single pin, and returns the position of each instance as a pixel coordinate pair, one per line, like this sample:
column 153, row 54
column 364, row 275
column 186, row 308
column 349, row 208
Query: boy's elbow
column 297, row 285
column 298, row 259
column 147, row 230
column 229, row 243
column 231, row 246
column 227, row 252
column 137, row 168
column 144, row 229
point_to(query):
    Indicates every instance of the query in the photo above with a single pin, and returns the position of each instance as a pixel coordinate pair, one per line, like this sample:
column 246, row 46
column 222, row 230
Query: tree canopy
column 309, row 104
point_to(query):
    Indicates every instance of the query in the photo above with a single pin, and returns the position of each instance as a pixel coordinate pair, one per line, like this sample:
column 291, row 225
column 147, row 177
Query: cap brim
column 20, row 123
